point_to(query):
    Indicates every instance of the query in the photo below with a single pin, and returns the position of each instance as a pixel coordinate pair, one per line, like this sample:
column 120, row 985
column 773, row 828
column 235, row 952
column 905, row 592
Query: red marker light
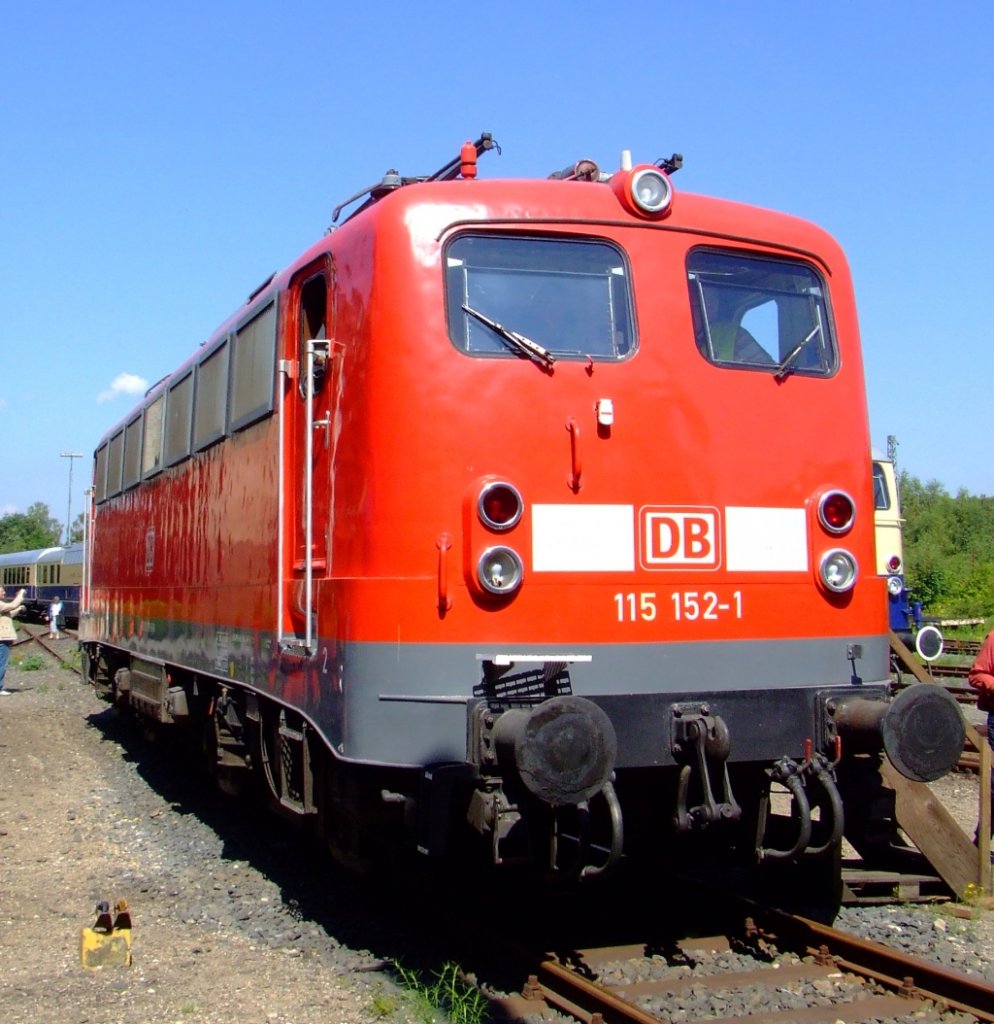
column 836, row 511
column 500, row 506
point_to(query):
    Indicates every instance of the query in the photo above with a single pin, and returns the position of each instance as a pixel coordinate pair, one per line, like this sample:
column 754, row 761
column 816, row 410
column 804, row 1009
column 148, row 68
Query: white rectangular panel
column 583, row 538
column 766, row 540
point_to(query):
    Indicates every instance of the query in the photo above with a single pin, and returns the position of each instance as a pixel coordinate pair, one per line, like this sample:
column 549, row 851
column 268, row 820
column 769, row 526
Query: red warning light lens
column 893, row 564
column 500, row 505
column 836, row 512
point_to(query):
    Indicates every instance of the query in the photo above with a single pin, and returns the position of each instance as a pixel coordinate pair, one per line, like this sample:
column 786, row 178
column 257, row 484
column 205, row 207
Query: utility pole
column 892, row 444
column 70, row 456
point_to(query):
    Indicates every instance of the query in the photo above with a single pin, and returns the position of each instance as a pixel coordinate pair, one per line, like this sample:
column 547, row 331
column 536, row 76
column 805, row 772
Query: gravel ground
column 230, row 922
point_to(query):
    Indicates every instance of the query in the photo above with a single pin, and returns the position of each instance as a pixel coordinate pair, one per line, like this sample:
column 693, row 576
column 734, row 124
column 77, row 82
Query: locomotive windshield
column 760, row 313
column 571, row 298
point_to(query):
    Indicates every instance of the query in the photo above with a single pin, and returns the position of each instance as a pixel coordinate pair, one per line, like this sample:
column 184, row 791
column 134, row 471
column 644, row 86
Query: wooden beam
column 934, row 831
column 984, row 818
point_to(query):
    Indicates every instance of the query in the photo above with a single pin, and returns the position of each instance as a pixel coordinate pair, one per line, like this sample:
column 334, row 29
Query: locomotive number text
column 692, row 604
column 688, row 606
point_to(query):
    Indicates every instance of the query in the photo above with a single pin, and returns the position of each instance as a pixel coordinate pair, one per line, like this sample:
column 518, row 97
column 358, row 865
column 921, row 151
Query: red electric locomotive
column 529, row 515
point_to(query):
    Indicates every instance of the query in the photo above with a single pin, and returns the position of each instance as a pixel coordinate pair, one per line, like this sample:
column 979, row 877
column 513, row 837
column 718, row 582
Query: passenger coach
column 45, row 573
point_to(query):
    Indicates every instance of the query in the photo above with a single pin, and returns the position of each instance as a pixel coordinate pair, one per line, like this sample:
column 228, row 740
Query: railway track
column 951, row 671
column 942, row 674
column 32, row 634
column 965, row 647
column 768, row 968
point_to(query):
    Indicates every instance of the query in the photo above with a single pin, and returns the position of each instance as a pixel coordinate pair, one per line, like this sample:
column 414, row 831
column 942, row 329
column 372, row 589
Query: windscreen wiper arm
column 787, row 366
column 521, row 344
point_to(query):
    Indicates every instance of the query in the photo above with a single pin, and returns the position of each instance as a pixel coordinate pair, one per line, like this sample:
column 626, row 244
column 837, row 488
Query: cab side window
column 754, row 312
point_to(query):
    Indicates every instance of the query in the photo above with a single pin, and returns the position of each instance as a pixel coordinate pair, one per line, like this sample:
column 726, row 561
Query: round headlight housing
column 894, row 586
column 651, row 190
column 500, row 570
column 838, row 571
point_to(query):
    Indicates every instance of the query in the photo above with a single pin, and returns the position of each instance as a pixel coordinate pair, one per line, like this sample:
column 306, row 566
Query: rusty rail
column 581, row 985
column 42, row 641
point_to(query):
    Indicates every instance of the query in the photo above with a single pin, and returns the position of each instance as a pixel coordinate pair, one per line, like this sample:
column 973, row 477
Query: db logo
column 679, row 537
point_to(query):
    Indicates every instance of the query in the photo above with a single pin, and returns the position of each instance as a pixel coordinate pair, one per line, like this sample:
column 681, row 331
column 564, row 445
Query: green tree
column 76, row 532
column 26, row 531
column 948, row 548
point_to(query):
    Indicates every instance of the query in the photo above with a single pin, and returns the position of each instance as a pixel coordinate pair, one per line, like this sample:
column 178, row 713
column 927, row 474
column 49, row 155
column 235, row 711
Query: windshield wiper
column 787, row 366
column 522, row 345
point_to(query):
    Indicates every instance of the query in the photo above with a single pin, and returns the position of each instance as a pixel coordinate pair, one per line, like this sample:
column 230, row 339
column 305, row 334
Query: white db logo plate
column 679, row 537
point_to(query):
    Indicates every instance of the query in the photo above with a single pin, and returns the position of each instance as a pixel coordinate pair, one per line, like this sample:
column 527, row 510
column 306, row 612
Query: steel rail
column 41, row 641
column 571, row 986
column 904, row 972
column 961, row 646
column 559, row 986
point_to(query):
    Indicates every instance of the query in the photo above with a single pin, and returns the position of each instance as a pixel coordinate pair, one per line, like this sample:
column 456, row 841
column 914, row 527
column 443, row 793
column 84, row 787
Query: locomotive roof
column 581, row 194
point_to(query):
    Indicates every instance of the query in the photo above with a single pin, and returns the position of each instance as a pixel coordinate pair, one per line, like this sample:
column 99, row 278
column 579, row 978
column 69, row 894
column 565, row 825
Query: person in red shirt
column 981, row 678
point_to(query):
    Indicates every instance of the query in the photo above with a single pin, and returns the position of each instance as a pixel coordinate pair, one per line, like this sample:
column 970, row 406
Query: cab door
column 307, row 477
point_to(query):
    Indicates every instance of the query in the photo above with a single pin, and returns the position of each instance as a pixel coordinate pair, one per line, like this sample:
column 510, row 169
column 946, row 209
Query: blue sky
column 161, row 160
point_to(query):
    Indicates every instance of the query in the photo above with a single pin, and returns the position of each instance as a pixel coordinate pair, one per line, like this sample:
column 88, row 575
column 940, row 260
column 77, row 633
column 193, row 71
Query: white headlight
column 838, row 571
column 500, row 570
column 651, row 190
column 894, row 585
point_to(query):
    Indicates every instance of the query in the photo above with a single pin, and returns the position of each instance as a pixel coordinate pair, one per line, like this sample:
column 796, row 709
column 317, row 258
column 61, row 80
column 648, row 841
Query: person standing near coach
column 8, row 634
column 981, row 678
column 55, row 618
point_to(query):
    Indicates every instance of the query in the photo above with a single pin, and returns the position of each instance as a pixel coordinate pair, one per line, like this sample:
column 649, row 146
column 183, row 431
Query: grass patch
column 29, row 663
column 443, row 994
